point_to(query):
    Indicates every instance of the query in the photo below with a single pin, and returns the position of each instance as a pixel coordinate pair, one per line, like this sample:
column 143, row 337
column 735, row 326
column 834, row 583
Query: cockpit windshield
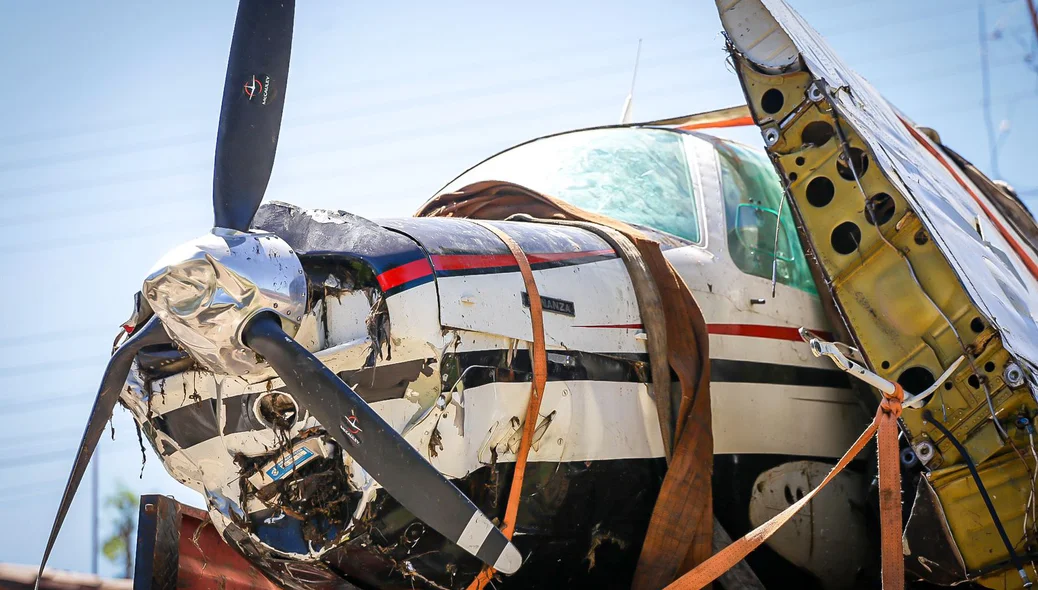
column 640, row 176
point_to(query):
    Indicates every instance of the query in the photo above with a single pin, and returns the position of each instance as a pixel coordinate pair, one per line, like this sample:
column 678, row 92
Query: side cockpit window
column 637, row 175
column 757, row 236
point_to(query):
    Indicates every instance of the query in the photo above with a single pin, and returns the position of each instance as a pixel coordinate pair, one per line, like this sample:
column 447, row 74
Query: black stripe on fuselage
column 739, row 371
column 487, row 366
column 196, row 423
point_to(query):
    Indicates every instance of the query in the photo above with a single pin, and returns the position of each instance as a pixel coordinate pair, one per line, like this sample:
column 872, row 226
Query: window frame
column 786, row 209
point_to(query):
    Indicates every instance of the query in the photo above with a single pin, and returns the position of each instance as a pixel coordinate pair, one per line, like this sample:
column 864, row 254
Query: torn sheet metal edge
column 983, row 266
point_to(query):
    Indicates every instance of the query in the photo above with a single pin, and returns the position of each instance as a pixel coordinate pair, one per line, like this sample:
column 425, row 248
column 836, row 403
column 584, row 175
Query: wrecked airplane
column 583, row 362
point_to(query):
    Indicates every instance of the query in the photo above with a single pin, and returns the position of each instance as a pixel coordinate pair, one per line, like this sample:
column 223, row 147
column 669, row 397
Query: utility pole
column 1034, row 16
column 94, row 516
column 985, row 81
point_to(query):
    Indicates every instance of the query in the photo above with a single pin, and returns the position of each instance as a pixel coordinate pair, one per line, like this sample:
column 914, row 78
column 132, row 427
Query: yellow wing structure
column 931, row 268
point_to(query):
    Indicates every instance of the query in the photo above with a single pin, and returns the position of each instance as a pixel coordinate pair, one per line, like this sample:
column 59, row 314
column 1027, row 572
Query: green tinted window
column 752, row 204
column 639, row 176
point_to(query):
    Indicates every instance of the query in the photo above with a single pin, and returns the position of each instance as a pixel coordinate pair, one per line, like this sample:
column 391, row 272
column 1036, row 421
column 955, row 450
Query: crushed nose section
column 206, row 290
column 928, row 276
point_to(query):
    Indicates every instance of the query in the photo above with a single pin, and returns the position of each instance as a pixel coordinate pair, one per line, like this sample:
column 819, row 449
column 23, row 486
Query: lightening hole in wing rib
column 846, row 237
column 879, row 209
column 916, row 379
column 772, row 101
column 820, row 191
column 817, row 133
column 859, row 159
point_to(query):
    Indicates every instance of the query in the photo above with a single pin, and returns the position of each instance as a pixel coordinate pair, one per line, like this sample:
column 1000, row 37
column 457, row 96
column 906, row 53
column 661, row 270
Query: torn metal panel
column 1002, row 196
column 930, row 550
column 391, row 381
column 984, row 261
column 928, row 275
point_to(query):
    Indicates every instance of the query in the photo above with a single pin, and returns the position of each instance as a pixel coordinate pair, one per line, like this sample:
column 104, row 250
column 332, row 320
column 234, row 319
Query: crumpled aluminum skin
column 205, row 291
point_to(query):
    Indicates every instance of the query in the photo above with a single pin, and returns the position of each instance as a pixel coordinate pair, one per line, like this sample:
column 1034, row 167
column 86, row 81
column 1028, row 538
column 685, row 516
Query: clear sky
column 108, row 120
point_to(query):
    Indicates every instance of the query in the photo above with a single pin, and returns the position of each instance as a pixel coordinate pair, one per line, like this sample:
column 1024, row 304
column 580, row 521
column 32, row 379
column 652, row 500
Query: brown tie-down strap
column 650, row 307
column 680, row 534
column 884, row 426
column 540, row 377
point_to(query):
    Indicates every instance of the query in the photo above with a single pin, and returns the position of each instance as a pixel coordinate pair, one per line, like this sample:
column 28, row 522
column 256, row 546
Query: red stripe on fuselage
column 477, row 261
column 750, row 330
column 417, row 269
column 395, row 277
column 761, row 331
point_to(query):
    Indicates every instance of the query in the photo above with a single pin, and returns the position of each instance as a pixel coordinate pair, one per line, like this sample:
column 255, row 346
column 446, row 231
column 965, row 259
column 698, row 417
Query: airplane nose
column 206, row 290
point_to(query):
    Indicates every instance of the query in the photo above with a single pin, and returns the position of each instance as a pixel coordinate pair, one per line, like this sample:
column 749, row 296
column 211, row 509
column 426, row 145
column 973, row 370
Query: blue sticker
column 285, row 465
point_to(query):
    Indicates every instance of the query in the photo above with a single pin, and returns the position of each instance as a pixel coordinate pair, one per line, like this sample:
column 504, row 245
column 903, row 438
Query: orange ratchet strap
column 884, row 426
column 540, row 377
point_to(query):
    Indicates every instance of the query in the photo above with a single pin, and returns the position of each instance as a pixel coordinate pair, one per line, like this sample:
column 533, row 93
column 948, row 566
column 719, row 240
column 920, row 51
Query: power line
column 164, row 228
column 551, row 56
column 384, row 136
column 36, row 404
column 36, row 458
column 51, row 336
column 27, row 438
column 32, row 368
column 22, row 486
column 351, row 114
column 57, row 455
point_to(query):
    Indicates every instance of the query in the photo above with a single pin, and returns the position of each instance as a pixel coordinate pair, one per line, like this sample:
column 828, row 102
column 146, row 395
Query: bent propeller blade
column 253, row 101
column 378, row 448
column 107, row 396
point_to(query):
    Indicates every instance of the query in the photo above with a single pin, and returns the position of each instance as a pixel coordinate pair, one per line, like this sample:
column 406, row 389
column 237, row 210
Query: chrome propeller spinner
column 207, row 290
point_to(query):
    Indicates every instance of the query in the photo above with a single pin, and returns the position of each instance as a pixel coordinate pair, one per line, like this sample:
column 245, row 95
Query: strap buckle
column 821, row 347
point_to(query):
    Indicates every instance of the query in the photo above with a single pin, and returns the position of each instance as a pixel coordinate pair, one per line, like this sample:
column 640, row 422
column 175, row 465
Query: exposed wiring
column 774, row 250
column 916, row 401
column 1013, row 557
column 1030, row 499
column 1003, row 436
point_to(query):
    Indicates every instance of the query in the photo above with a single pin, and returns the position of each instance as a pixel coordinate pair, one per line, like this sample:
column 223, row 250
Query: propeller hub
column 207, row 290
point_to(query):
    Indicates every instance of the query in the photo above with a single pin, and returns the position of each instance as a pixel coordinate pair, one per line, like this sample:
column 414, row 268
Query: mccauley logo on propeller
column 254, row 87
column 350, row 428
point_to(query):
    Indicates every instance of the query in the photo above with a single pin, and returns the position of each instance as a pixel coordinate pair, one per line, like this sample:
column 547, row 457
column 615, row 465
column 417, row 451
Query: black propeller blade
column 107, row 396
column 378, row 448
column 250, row 118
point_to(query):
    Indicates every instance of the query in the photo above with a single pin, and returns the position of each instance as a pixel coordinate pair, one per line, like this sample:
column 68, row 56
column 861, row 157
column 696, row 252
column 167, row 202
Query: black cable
column 1013, row 557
